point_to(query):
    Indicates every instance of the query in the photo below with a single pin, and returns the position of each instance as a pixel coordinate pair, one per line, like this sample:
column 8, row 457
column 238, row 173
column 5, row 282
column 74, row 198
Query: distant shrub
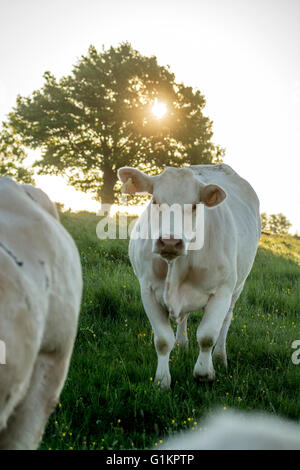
column 275, row 223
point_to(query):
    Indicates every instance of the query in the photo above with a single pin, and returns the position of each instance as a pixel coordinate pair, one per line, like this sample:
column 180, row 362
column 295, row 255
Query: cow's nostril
column 169, row 245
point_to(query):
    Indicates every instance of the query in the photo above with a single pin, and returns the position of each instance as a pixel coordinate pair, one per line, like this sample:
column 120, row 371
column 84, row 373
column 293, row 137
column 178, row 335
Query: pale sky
column 243, row 55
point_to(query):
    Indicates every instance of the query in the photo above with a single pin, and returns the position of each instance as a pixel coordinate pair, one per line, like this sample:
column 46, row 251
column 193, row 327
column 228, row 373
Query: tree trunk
column 107, row 193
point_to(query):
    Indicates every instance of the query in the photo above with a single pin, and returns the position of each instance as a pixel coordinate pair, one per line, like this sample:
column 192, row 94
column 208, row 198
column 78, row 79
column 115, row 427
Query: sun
column 159, row 109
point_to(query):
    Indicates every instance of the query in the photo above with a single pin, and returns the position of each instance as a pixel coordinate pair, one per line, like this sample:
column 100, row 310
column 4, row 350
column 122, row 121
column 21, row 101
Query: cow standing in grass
column 175, row 279
column 40, row 285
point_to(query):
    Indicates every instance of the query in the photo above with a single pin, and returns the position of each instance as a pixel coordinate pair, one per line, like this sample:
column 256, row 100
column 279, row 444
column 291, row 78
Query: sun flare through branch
column 159, row 109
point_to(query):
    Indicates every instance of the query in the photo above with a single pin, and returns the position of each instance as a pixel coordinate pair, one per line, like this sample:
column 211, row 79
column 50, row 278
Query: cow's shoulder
column 40, row 198
column 24, row 194
column 235, row 186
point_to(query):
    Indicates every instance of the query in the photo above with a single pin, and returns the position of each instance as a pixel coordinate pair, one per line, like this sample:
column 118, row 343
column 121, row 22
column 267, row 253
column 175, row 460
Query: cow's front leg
column 208, row 332
column 163, row 336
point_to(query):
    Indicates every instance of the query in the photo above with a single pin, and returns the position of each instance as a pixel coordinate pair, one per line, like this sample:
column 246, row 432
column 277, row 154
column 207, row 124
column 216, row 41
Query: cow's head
column 176, row 196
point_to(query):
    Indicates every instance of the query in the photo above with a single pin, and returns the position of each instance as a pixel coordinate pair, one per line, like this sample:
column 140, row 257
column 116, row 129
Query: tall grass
column 110, row 400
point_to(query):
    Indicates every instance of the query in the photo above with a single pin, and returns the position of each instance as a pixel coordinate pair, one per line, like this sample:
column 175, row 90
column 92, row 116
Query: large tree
column 100, row 117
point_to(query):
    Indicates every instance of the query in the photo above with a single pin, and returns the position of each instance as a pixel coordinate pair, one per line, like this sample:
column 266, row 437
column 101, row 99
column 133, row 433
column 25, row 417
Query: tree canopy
column 99, row 117
column 12, row 156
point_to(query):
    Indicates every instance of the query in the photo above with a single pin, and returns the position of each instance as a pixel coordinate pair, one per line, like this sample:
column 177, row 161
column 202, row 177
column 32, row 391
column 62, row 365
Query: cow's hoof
column 209, row 377
column 205, row 379
column 164, row 382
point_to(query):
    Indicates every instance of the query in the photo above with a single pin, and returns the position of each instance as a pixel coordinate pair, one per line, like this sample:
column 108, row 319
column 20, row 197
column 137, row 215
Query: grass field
column 110, row 400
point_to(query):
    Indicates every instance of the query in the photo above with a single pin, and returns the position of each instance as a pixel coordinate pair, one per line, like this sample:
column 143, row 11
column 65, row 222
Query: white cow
column 41, row 286
column 236, row 430
column 175, row 280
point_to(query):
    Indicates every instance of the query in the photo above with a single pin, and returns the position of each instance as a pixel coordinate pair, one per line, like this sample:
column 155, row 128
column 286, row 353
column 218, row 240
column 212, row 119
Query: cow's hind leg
column 208, row 332
column 26, row 425
column 220, row 354
column 181, row 333
column 163, row 337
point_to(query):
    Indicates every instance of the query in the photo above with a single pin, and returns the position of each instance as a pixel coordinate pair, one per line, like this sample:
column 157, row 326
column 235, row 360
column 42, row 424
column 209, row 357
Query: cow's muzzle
column 169, row 247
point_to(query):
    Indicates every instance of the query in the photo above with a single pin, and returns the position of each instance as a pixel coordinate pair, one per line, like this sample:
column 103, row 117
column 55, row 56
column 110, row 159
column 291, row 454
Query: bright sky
column 242, row 54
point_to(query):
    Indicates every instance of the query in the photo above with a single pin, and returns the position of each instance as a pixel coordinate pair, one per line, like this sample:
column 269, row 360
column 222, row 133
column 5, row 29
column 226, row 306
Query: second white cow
column 176, row 280
column 40, row 286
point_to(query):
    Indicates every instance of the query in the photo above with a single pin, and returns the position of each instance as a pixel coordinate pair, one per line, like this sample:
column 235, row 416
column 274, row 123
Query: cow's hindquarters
column 20, row 330
column 26, row 426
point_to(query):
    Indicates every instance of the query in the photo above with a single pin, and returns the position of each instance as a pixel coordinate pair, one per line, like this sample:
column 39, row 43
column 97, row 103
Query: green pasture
column 110, row 400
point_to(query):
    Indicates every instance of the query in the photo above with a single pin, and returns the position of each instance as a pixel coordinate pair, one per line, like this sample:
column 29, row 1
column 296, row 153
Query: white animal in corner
column 41, row 287
column 176, row 280
column 235, row 430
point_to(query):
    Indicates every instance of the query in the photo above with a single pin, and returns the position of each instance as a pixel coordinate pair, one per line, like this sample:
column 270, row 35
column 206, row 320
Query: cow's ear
column 135, row 181
column 211, row 195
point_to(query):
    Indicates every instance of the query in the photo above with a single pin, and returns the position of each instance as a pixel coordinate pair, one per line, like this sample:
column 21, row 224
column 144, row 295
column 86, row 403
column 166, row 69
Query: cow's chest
column 186, row 298
column 183, row 291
